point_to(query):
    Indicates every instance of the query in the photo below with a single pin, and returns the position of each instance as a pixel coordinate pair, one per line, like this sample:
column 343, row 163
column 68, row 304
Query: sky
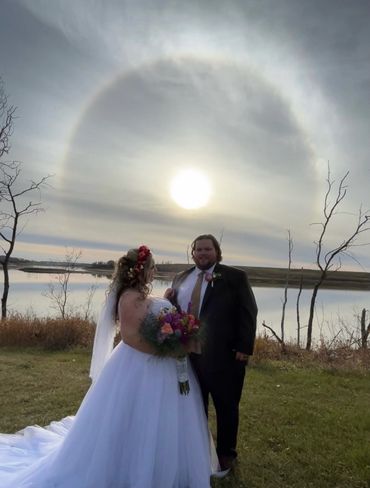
column 116, row 98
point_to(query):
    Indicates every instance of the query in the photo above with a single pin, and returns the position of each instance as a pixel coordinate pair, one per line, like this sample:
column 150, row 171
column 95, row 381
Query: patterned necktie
column 195, row 295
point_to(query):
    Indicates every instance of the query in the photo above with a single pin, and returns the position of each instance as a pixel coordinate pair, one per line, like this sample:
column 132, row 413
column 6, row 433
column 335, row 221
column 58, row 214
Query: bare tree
column 365, row 330
column 299, row 327
column 331, row 260
column 89, row 301
column 59, row 291
column 221, row 235
column 285, row 300
column 14, row 194
column 7, row 115
column 14, row 208
column 280, row 338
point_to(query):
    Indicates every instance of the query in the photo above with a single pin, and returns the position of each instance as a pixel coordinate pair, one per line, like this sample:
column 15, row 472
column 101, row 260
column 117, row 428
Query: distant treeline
column 258, row 276
column 15, row 261
column 279, row 277
column 102, row 264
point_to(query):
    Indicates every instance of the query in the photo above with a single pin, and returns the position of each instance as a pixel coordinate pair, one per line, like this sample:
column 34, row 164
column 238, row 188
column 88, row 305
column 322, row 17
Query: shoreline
column 265, row 277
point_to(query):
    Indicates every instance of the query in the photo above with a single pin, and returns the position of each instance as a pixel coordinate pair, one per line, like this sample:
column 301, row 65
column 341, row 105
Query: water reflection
column 334, row 309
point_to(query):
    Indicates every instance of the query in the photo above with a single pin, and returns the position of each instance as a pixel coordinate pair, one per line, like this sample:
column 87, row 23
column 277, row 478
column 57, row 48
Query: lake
column 335, row 309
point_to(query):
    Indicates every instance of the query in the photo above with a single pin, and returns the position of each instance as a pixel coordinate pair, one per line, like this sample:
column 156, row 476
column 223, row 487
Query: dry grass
column 328, row 354
column 47, row 333
column 58, row 334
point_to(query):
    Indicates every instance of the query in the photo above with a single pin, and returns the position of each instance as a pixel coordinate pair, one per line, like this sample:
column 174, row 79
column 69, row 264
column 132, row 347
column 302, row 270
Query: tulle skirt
column 132, row 430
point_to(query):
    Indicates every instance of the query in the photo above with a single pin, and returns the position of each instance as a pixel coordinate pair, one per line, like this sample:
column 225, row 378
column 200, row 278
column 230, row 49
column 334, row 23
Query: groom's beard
column 204, row 263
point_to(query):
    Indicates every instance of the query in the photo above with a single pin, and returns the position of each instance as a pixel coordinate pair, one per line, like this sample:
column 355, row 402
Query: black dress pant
column 225, row 388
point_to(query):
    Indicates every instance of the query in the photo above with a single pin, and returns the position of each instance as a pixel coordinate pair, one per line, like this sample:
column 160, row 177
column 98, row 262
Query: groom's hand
column 193, row 346
column 241, row 356
column 169, row 294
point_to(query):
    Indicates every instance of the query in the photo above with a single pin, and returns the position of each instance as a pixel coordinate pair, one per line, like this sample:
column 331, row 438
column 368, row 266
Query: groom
column 224, row 302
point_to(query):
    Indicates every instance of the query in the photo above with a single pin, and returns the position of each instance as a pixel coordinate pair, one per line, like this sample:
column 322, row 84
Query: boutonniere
column 211, row 277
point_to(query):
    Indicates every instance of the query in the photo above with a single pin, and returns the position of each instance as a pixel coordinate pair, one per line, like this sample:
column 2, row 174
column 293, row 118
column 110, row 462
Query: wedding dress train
column 132, row 430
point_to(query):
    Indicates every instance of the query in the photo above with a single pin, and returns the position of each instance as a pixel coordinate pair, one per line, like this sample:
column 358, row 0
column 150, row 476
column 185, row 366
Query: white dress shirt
column 186, row 288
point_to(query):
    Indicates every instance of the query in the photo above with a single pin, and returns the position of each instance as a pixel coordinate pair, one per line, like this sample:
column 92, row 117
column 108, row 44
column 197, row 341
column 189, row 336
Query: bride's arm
column 131, row 311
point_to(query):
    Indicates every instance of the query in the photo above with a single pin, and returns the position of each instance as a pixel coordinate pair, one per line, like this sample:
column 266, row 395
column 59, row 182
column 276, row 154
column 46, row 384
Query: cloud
column 152, row 126
column 116, row 97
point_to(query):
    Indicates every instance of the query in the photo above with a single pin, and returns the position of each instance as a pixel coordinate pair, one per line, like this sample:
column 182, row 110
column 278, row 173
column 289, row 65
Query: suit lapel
column 209, row 290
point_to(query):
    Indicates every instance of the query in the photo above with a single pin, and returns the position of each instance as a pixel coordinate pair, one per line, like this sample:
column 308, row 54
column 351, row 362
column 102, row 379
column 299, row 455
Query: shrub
column 327, row 354
column 48, row 333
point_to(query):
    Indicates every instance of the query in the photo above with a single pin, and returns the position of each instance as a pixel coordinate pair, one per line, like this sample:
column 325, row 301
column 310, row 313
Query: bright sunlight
column 190, row 189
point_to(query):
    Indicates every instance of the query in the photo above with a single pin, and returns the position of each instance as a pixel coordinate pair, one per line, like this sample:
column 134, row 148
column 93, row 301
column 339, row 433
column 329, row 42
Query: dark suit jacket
column 228, row 313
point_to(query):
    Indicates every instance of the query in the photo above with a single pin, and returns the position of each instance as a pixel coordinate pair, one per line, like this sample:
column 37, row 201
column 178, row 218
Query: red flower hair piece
column 143, row 254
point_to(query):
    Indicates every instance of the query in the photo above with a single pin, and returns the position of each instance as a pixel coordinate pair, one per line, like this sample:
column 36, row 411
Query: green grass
column 37, row 387
column 300, row 426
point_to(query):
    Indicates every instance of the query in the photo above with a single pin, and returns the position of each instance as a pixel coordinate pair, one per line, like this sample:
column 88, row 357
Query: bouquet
column 172, row 333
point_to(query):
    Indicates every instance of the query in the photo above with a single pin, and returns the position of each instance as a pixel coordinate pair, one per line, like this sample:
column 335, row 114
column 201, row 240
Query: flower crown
column 143, row 254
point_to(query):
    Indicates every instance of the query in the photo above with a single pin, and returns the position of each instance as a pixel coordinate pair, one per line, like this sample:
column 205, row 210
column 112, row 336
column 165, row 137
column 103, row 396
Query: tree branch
column 273, row 332
column 7, row 116
column 5, row 238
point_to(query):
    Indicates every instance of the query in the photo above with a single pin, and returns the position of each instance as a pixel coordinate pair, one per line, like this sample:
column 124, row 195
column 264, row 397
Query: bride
column 133, row 429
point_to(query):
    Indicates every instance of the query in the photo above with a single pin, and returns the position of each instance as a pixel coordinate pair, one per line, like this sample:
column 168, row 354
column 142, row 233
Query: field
column 303, row 424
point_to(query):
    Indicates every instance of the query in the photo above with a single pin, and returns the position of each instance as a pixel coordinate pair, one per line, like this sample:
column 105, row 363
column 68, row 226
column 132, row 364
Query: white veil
column 105, row 333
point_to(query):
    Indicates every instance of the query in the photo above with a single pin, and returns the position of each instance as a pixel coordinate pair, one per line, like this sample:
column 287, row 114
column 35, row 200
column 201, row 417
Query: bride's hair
column 132, row 272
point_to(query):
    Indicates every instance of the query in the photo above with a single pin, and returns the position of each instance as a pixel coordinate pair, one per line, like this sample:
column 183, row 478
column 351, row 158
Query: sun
column 190, row 189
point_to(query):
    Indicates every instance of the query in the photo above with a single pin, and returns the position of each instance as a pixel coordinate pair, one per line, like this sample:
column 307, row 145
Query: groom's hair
column 214, row 241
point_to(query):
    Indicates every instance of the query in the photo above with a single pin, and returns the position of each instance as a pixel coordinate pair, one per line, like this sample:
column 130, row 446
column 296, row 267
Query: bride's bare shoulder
column 131, row 298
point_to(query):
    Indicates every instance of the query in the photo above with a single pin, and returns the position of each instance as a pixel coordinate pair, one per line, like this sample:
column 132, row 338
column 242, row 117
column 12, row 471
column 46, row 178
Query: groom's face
column 204, row 254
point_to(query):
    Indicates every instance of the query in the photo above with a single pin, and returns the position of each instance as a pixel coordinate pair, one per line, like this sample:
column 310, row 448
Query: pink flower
column 211, row 277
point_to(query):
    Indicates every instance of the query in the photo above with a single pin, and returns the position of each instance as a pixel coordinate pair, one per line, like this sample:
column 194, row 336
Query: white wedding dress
column 132, row 430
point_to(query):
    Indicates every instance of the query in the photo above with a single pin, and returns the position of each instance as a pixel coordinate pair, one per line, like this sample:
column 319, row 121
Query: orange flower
column 166, row 328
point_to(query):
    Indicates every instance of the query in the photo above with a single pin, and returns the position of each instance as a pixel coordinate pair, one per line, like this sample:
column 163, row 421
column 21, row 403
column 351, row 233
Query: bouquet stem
column 182, row 375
